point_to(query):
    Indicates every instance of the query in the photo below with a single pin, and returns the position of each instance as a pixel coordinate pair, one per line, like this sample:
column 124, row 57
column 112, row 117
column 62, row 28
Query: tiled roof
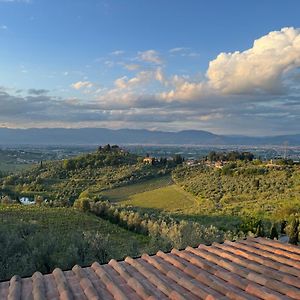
column 255, row 268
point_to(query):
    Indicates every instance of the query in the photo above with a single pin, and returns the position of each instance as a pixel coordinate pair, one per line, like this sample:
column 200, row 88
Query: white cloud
column 139, row 80
column 82, row 84
column 3, row 27
column 260, row 68
column 151, row 56
column 178, row 49
column 256, row 71
column 184, row 52
column 132, row 67
column 256, row 90
column 117, row 52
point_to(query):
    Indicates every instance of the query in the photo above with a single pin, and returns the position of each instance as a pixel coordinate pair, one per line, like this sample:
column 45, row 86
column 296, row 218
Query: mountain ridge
column 80, row 136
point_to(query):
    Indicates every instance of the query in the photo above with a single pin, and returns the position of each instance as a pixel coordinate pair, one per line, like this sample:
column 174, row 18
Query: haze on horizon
column 226, row 67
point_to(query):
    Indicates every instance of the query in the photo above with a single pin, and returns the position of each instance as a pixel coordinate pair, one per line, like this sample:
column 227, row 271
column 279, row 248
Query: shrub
column 82, row 204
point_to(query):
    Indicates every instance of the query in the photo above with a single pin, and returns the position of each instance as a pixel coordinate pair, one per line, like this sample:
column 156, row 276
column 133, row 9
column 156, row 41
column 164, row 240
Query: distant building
column 26, row 201
column 219, row 164
column 191, row 162
column 274, row 164
column 149, row 160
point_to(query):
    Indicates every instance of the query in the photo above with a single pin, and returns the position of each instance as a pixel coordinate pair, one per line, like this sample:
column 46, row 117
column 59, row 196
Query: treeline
column 165, row 230
column 230, row 156
column 168, row 232
column 105, row 156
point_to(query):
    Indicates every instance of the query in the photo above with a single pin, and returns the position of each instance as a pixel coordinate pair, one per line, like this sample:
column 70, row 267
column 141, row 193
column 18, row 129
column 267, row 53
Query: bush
column 82, row 204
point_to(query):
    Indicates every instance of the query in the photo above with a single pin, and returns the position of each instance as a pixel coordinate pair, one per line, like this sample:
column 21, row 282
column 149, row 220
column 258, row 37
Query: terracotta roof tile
column 255, row 268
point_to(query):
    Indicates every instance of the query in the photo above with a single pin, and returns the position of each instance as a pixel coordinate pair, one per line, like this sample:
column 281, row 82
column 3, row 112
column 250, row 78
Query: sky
column 228, row 67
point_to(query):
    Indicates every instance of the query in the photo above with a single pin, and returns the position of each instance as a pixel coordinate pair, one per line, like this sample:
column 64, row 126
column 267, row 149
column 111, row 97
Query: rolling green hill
column 136, row 207
column 243, row 189
column 62, row 182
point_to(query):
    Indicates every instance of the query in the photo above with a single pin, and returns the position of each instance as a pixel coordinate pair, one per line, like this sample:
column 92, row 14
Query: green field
column 168, row 199
column 128, row 191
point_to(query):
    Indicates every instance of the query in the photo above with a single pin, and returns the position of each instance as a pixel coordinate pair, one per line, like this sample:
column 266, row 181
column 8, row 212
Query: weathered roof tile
column 256, row 268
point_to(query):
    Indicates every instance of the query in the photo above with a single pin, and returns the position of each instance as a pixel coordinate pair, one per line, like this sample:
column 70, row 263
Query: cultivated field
column 170, row 198
column 128, row 191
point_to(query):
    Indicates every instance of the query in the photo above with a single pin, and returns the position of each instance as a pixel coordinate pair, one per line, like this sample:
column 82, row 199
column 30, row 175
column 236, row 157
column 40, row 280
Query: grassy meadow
column 170, row 199
column 127, row 192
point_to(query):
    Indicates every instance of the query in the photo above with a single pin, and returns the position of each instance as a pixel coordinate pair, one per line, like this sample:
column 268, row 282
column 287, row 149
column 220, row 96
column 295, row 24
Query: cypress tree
column 273, row 232
column 293, row 231
column 260, row 229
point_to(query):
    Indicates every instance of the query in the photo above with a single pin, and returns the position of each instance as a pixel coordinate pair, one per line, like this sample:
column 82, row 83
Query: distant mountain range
column 97, row 136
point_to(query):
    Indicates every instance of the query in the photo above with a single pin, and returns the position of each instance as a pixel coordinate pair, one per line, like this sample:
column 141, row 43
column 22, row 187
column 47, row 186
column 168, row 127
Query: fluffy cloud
column 151, row 56
column 256, row 90
column 141, row 79
column 260, row 68
column 81, row 84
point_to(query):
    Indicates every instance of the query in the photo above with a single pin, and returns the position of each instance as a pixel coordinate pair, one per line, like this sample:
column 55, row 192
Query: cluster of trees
column 230, row 156
column 236, row 183
column 165, row 230
column 106, row 156
column 169, row 232
column 41, row 238
column 24, row 249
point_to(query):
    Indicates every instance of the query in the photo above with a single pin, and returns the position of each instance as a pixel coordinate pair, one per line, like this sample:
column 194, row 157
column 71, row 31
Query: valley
column 116, row 204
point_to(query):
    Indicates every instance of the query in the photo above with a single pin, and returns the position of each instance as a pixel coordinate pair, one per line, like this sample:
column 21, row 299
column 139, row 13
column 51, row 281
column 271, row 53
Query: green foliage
column 178, row 159
column 273, row 232
column 40, row 238
column 230, row 156
column 82, row 204
column 62, row 182
column 170, row 199
column 165, row 229
column 293, row 231
column 243, row 189
column 260, row 232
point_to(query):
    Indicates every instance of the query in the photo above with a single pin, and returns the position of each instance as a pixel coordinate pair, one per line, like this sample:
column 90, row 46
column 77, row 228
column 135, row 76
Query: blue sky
column 151, row 64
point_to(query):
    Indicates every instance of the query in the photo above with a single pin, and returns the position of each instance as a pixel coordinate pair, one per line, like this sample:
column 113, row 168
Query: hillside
column 110, row 203
column 243, row 189
column 71, row 237
column 93, row 136
column 62, row 182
